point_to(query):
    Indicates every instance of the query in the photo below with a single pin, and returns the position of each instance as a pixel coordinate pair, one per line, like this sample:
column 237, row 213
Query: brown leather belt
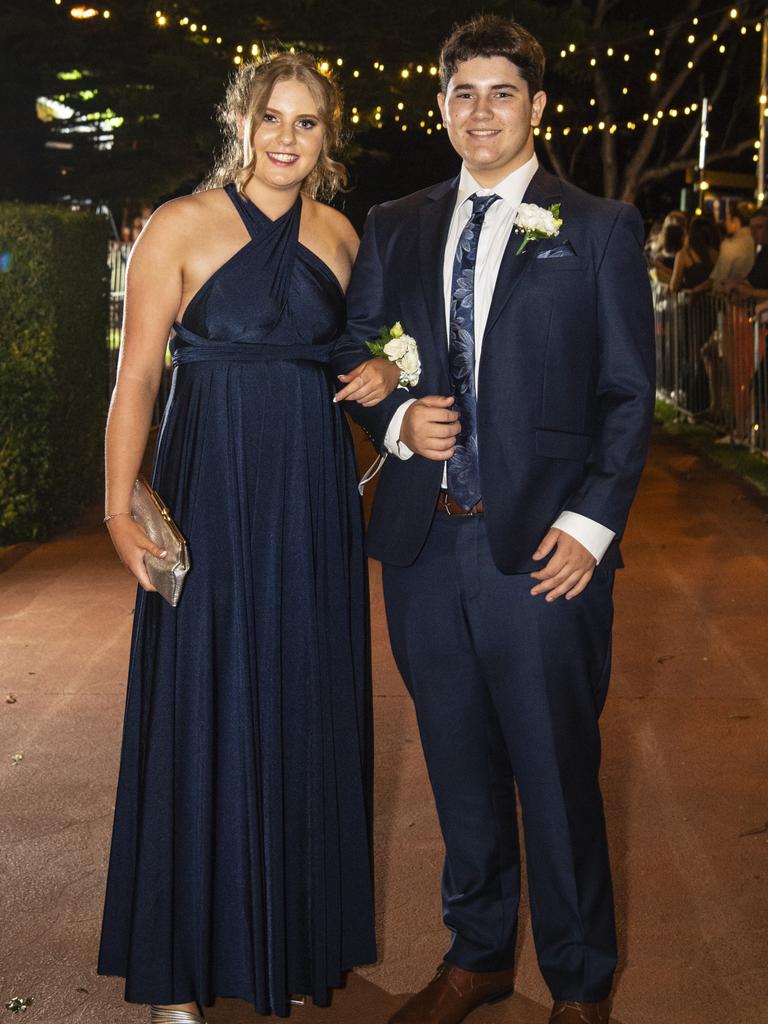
column 446, row 504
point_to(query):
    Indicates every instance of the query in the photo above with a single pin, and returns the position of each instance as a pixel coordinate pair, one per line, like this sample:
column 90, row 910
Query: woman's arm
column 374, row 378
column 663, row 273
column 152, row 299
column 682, row 262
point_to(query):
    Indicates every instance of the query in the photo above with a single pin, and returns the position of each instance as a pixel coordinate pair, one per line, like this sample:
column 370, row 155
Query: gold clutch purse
column 152, row 514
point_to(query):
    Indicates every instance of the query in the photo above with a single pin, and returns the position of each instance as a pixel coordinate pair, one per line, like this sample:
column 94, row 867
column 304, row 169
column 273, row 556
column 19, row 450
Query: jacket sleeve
column 366, row 315
column 625, row 378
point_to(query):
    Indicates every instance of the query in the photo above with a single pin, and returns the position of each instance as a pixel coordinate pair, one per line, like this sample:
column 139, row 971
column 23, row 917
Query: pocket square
column 557, row 253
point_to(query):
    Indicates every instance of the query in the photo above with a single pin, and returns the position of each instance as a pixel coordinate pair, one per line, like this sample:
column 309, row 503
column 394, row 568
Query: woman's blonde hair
column 243, row 107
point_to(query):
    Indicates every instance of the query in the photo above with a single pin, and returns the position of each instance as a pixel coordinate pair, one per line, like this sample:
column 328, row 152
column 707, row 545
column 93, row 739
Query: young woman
column 240, row 862
column 696, row 260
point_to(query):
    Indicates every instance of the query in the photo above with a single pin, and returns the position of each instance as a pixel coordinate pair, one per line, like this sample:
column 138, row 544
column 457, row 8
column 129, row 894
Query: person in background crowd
column 755, row 284
column 653, row 240
column 693, row 265
column 655, row 246
column 727, row 355
column 735, row 260
column 737, row 252
column 677, row 217
column 695, row 261
column 672, row 239
column 714, row 232
column 760, row 376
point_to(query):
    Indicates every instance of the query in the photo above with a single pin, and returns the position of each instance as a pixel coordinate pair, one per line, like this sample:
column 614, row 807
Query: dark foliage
column 53, row 366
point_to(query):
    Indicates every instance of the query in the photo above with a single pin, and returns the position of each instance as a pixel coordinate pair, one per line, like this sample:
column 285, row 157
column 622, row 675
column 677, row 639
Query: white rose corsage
column 401, row 349
column 536, row 222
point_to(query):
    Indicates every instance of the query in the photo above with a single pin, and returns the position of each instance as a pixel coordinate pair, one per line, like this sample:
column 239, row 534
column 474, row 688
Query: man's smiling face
column 489, row 114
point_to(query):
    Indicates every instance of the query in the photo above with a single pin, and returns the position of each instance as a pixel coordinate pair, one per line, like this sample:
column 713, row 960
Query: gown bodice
column 273, row 298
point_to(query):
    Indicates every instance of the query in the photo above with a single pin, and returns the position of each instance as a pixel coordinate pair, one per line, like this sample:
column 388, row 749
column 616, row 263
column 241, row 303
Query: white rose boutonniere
column 401, row 349
column 536, row 222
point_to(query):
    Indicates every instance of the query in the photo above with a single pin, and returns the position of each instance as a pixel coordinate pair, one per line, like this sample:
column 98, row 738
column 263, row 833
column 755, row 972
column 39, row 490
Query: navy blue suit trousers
column 508, row 689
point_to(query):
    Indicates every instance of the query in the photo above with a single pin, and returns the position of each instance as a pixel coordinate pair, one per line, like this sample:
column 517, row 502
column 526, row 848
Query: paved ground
column 685, row 751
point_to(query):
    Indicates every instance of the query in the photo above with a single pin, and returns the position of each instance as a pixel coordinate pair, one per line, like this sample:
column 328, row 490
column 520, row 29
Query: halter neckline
column 247, row 208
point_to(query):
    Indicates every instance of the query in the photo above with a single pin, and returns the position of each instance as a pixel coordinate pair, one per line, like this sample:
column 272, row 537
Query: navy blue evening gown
column 240, row 860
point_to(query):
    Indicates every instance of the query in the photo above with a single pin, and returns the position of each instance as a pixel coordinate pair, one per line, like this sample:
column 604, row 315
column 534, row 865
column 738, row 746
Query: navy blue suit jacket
column 566, row 379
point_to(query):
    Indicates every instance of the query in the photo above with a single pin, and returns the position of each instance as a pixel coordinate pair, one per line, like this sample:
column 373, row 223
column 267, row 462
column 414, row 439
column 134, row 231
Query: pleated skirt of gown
column 240, row 862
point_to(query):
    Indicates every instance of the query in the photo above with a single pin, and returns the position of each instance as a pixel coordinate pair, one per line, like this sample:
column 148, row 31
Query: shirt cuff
column 595, row 538
column 392, row 441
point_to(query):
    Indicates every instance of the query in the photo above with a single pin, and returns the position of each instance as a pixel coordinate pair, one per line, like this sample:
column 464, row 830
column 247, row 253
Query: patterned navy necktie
column 463, row 466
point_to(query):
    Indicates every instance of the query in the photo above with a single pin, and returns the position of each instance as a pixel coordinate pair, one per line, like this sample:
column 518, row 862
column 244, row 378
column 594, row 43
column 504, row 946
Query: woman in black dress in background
column 696, row 260
column 240, row 861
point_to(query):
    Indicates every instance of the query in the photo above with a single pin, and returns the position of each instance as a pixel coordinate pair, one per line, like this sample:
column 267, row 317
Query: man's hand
column 369, row 383
column 569, row 569
column 430, row 427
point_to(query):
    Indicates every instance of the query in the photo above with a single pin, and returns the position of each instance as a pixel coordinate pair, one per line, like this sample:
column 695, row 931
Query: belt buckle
column 444, row 498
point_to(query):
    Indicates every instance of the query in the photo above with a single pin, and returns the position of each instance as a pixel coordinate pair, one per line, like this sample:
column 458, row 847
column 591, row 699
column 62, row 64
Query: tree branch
column 642, row 153
column 605, row 106
column 681, row 164
column 574, row 154
column 554, row 159
column 684, row 73
column 604, row 7
column 608, row 141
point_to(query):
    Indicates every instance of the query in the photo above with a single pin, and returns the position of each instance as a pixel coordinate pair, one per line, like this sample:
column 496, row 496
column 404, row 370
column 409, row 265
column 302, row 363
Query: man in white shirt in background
column 737, row 250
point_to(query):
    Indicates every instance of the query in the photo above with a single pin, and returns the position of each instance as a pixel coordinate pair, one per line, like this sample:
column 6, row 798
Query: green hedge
column 54, row 295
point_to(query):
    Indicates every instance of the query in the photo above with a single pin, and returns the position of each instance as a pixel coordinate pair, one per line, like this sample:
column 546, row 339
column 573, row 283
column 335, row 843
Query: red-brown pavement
column 684, row 776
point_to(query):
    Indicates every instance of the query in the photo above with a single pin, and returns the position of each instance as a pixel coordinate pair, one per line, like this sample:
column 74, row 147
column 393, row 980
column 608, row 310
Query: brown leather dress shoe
column 581, row 1013
column 452, row 994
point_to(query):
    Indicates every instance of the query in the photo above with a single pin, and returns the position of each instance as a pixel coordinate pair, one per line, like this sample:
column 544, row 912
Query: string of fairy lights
column 562, row 119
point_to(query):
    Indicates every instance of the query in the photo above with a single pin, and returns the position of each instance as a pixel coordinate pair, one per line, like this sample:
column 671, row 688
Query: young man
column 511, row 471
column 737, row 251
column 755, row 284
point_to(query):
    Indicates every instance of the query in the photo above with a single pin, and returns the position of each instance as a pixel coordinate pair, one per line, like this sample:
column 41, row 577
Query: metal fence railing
column 711, row 363
column 117, row 260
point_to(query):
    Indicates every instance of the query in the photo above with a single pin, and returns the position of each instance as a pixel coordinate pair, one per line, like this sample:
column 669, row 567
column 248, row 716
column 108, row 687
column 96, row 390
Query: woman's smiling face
column 289, row 139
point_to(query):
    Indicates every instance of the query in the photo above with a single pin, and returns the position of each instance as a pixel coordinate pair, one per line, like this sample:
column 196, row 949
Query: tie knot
column 481, row 204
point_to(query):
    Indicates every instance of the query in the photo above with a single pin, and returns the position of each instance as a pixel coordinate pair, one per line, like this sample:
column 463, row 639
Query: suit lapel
column 434, row 222
column 543, row 190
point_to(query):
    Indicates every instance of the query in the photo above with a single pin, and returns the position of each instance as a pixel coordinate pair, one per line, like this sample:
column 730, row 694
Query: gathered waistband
column 188, row 347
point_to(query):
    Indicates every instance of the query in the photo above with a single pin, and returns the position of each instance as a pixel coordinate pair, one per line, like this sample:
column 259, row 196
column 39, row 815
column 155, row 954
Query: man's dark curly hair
column 490, row 35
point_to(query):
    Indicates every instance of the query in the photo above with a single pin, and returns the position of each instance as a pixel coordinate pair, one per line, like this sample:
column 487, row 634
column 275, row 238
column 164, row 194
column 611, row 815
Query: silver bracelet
column 114, row 515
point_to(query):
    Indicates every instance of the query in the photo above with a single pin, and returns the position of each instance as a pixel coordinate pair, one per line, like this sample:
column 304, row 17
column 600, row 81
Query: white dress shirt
column 736, row 257
column 494, row 236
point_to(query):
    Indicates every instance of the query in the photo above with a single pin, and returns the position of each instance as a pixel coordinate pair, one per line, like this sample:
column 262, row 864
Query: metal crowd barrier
column 711, row 363
column 117, row 260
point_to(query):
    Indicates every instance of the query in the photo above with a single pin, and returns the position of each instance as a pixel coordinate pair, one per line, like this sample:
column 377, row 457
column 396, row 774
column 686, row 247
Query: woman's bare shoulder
column 177, row 227
column 187, row 214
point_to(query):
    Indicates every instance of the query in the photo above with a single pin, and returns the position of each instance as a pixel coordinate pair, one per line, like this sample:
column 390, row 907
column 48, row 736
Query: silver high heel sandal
column 158, row 1015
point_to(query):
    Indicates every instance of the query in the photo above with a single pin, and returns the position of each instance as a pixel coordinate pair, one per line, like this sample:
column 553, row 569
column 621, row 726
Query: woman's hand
column 131, row 544
column 370, row 382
